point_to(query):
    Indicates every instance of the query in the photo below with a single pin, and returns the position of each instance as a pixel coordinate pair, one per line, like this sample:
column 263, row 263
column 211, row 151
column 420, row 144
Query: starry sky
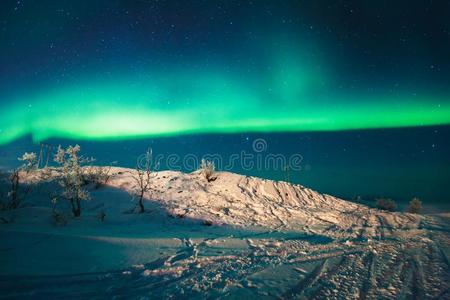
column 123, row 69
column 359, row 88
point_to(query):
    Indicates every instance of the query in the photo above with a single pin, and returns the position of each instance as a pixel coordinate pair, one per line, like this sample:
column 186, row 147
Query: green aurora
column 283, row 73
column 205, row 103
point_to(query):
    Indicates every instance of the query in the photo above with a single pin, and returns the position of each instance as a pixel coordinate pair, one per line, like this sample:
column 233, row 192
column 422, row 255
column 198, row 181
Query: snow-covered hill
column 236, row 236
column 245, row 201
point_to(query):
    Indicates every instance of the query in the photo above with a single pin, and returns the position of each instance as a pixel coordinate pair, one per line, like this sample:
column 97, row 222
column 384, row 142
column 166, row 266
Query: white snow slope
column 234, row 237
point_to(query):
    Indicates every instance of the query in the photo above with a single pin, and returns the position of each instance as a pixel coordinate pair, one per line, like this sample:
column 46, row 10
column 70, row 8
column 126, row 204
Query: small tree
column 415, row 206
column 30, row 161
column 142, row 178
column 207, row 168
column 72, row 177
column 16, row 193
column 386, row 204
column 14, row 197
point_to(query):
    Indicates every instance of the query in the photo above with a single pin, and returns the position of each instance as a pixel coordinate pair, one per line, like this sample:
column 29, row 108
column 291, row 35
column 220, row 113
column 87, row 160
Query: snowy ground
column 230, row 238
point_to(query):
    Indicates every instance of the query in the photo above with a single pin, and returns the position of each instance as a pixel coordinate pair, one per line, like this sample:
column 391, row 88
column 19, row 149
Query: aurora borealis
column 126, row 69
column 360, row 89
column 126, row 110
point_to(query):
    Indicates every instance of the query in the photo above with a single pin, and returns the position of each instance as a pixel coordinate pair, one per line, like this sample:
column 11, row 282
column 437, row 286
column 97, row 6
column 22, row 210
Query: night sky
column 115, row 69
column 102, row 71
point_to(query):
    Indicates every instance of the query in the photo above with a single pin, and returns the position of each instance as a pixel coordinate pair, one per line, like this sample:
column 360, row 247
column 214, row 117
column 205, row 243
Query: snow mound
column 245, row 201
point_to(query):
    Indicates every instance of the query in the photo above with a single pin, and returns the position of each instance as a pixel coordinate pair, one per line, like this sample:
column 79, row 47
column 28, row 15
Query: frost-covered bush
column 71, row 178
column 143, row 177
column 386, row 204
column 415, row 206
column 12, row 198
column 98, row 175
column 29, row 160
column 208, row 168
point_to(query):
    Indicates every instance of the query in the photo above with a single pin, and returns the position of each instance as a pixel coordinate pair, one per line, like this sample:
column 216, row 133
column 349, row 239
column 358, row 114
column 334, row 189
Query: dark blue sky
column 379, row 45
column 67, row 68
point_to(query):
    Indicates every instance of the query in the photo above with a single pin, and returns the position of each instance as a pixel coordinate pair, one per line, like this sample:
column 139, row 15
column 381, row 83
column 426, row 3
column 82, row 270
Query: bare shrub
column 71, row 178
column 386, row 204
column 415, row 206
column 14, row 197
column 208, row 168
column 58, row 218
column 143, row 177
column 98, row 175
column 16, row 191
